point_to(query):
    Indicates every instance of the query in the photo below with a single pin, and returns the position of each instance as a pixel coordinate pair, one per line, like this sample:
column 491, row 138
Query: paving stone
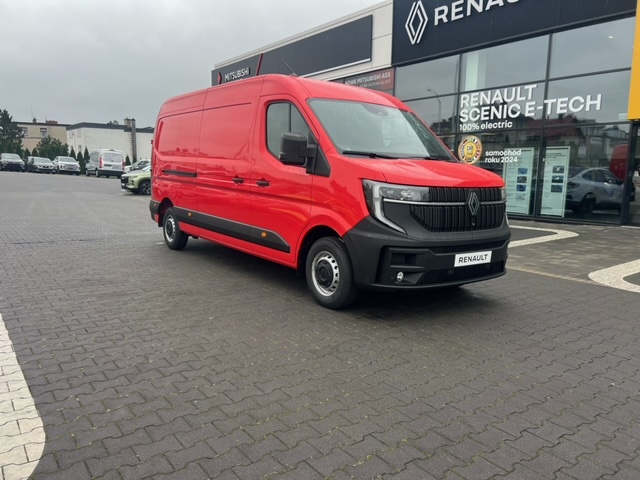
column 216, row 364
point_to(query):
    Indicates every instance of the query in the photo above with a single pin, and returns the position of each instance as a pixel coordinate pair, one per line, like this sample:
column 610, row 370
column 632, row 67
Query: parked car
column 591, row 189
column 105, row 162
column 137, row 181
column 11, row 161
column 66, row 165
column 39, row 165
column 139, row 165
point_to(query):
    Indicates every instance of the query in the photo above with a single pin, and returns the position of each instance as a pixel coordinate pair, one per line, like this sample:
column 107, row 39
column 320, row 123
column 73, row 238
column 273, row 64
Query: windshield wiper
column 431, row 157
column 367, row 154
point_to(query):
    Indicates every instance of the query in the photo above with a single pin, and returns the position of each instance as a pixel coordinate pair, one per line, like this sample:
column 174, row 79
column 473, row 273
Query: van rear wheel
column 173, row 236
column 329, row 274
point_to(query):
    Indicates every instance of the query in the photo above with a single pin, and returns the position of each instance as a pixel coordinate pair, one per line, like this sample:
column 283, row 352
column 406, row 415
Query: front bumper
column 379, row 255
column 12, row 167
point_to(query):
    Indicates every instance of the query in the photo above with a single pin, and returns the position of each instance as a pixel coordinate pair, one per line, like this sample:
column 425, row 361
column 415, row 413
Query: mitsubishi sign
column 424, row 29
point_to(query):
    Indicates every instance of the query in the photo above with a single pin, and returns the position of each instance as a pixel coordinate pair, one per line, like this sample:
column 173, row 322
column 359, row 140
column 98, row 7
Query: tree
column 27, row 153
column 127, row 161
column 35, row 153
column 10, row 134
column 50, row 148
column 86, row 154
column 72, row 153
column 82, row 161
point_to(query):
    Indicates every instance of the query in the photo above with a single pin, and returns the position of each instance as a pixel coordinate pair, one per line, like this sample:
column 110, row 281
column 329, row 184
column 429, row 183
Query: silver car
column 39, row 165
column 66, row 165
column 594, row 189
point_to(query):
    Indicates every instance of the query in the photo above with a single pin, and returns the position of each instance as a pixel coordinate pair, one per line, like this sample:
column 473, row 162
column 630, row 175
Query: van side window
column 281, row 118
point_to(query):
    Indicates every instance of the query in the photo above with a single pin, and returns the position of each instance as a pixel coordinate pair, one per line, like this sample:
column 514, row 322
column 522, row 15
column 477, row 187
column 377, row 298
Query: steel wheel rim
column 170, row 229
column 325, row 273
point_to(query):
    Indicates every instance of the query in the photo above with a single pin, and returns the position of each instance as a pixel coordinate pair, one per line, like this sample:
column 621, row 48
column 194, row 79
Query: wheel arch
column 309, row 239
column 165, row 205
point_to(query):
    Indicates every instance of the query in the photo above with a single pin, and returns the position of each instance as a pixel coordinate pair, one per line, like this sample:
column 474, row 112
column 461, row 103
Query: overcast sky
column 100, row 60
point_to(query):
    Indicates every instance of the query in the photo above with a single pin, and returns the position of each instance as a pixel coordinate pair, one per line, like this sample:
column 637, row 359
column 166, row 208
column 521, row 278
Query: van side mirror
column 294, row 150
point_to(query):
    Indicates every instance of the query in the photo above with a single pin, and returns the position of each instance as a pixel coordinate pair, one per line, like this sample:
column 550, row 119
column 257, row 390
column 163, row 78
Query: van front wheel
column 329, row 274
column 173, row 236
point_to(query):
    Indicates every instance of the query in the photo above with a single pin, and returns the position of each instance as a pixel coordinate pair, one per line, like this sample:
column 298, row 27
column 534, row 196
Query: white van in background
column 105, row 162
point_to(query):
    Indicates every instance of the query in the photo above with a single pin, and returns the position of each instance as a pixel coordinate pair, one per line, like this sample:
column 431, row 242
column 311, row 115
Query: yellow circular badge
column 470, row 149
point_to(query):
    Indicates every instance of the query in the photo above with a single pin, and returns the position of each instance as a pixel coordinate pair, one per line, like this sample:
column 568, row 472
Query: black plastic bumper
column 387, row 260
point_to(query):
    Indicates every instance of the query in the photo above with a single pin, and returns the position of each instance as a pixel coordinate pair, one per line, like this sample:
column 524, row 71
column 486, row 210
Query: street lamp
column 439, row 107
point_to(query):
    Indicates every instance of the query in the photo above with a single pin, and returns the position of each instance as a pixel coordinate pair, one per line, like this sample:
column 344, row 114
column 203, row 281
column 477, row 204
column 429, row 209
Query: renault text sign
column 459, row 9
column 424, row 29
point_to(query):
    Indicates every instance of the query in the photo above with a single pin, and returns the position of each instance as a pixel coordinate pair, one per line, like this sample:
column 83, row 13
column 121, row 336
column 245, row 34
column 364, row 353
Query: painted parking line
column 557, row 235
column 21, row 431
column 614, row 276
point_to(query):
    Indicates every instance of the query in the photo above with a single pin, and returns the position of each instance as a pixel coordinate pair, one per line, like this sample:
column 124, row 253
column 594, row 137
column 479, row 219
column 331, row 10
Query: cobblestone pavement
column 208, row 363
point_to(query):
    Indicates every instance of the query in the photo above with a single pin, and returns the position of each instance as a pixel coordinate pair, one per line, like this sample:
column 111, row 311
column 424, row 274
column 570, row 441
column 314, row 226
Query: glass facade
column 550, row 113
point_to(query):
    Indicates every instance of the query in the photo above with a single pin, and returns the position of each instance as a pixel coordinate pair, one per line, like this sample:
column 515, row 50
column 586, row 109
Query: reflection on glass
column 595, row 98
column 517, row 62
column 595, row 48
column 513, row 155
column 437, row 113
column 424, row 79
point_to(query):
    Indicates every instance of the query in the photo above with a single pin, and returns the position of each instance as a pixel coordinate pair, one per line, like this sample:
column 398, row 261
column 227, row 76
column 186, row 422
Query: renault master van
column 346, row 185
column 105, row 162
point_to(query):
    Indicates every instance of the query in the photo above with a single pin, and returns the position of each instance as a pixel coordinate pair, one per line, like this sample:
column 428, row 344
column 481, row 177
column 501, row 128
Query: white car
column 66, row 165
column 139, row 165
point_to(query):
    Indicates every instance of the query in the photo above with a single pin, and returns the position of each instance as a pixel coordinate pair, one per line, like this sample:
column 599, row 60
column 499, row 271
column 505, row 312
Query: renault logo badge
column 473, row 203
column 416, row 22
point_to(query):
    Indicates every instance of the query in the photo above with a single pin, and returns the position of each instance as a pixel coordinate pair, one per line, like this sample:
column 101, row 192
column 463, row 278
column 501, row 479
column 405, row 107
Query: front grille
column 457, row 217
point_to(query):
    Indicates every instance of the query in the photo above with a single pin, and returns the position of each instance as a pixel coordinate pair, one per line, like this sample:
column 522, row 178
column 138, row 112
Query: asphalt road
column 122, row 359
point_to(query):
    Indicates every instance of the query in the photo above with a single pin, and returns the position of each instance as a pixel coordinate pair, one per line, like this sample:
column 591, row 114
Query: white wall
column 92, row 138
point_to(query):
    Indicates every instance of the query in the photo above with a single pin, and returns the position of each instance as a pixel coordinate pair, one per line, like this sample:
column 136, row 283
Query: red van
column 341, row 183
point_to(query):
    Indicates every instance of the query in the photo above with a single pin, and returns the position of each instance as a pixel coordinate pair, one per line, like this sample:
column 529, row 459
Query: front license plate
column 474, row 258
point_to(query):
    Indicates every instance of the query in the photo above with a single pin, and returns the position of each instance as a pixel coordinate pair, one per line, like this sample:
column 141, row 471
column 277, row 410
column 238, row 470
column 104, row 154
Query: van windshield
column 377, row 131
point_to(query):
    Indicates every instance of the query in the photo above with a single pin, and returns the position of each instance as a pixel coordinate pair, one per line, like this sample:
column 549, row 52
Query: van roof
column 273, row 84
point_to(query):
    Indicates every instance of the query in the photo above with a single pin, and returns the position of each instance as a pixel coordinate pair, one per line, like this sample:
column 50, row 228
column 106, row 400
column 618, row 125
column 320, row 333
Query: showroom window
column 513, row 63
column 428, row 79
column 594, row 98
column 596, row 48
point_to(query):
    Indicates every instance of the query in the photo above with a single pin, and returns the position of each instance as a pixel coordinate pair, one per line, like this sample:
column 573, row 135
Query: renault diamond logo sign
column 473, row 203
column 416, row 22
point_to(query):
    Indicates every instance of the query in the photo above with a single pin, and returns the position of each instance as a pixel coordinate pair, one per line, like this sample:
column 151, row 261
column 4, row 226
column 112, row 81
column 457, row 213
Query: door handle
column 238, row 180
column 263, row 183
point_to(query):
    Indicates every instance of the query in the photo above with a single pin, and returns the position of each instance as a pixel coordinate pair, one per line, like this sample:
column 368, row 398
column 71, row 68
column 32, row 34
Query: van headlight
column 376, row 193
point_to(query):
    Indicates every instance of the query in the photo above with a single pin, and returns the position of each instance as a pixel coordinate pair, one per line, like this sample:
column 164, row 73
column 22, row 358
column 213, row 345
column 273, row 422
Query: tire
column 86, row 173
column 144, row 188
column 97, row 173
column 329, row 274
column 173, row 236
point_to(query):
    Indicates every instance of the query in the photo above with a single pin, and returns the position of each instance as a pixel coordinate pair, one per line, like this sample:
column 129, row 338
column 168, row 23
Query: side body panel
column 281, row 194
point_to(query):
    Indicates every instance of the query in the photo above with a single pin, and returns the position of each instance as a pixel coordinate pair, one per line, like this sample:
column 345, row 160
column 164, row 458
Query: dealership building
column 545, row 93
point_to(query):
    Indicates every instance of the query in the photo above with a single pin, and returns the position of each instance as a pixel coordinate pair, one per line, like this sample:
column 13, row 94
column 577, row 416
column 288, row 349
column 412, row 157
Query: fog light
column 400, row 276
